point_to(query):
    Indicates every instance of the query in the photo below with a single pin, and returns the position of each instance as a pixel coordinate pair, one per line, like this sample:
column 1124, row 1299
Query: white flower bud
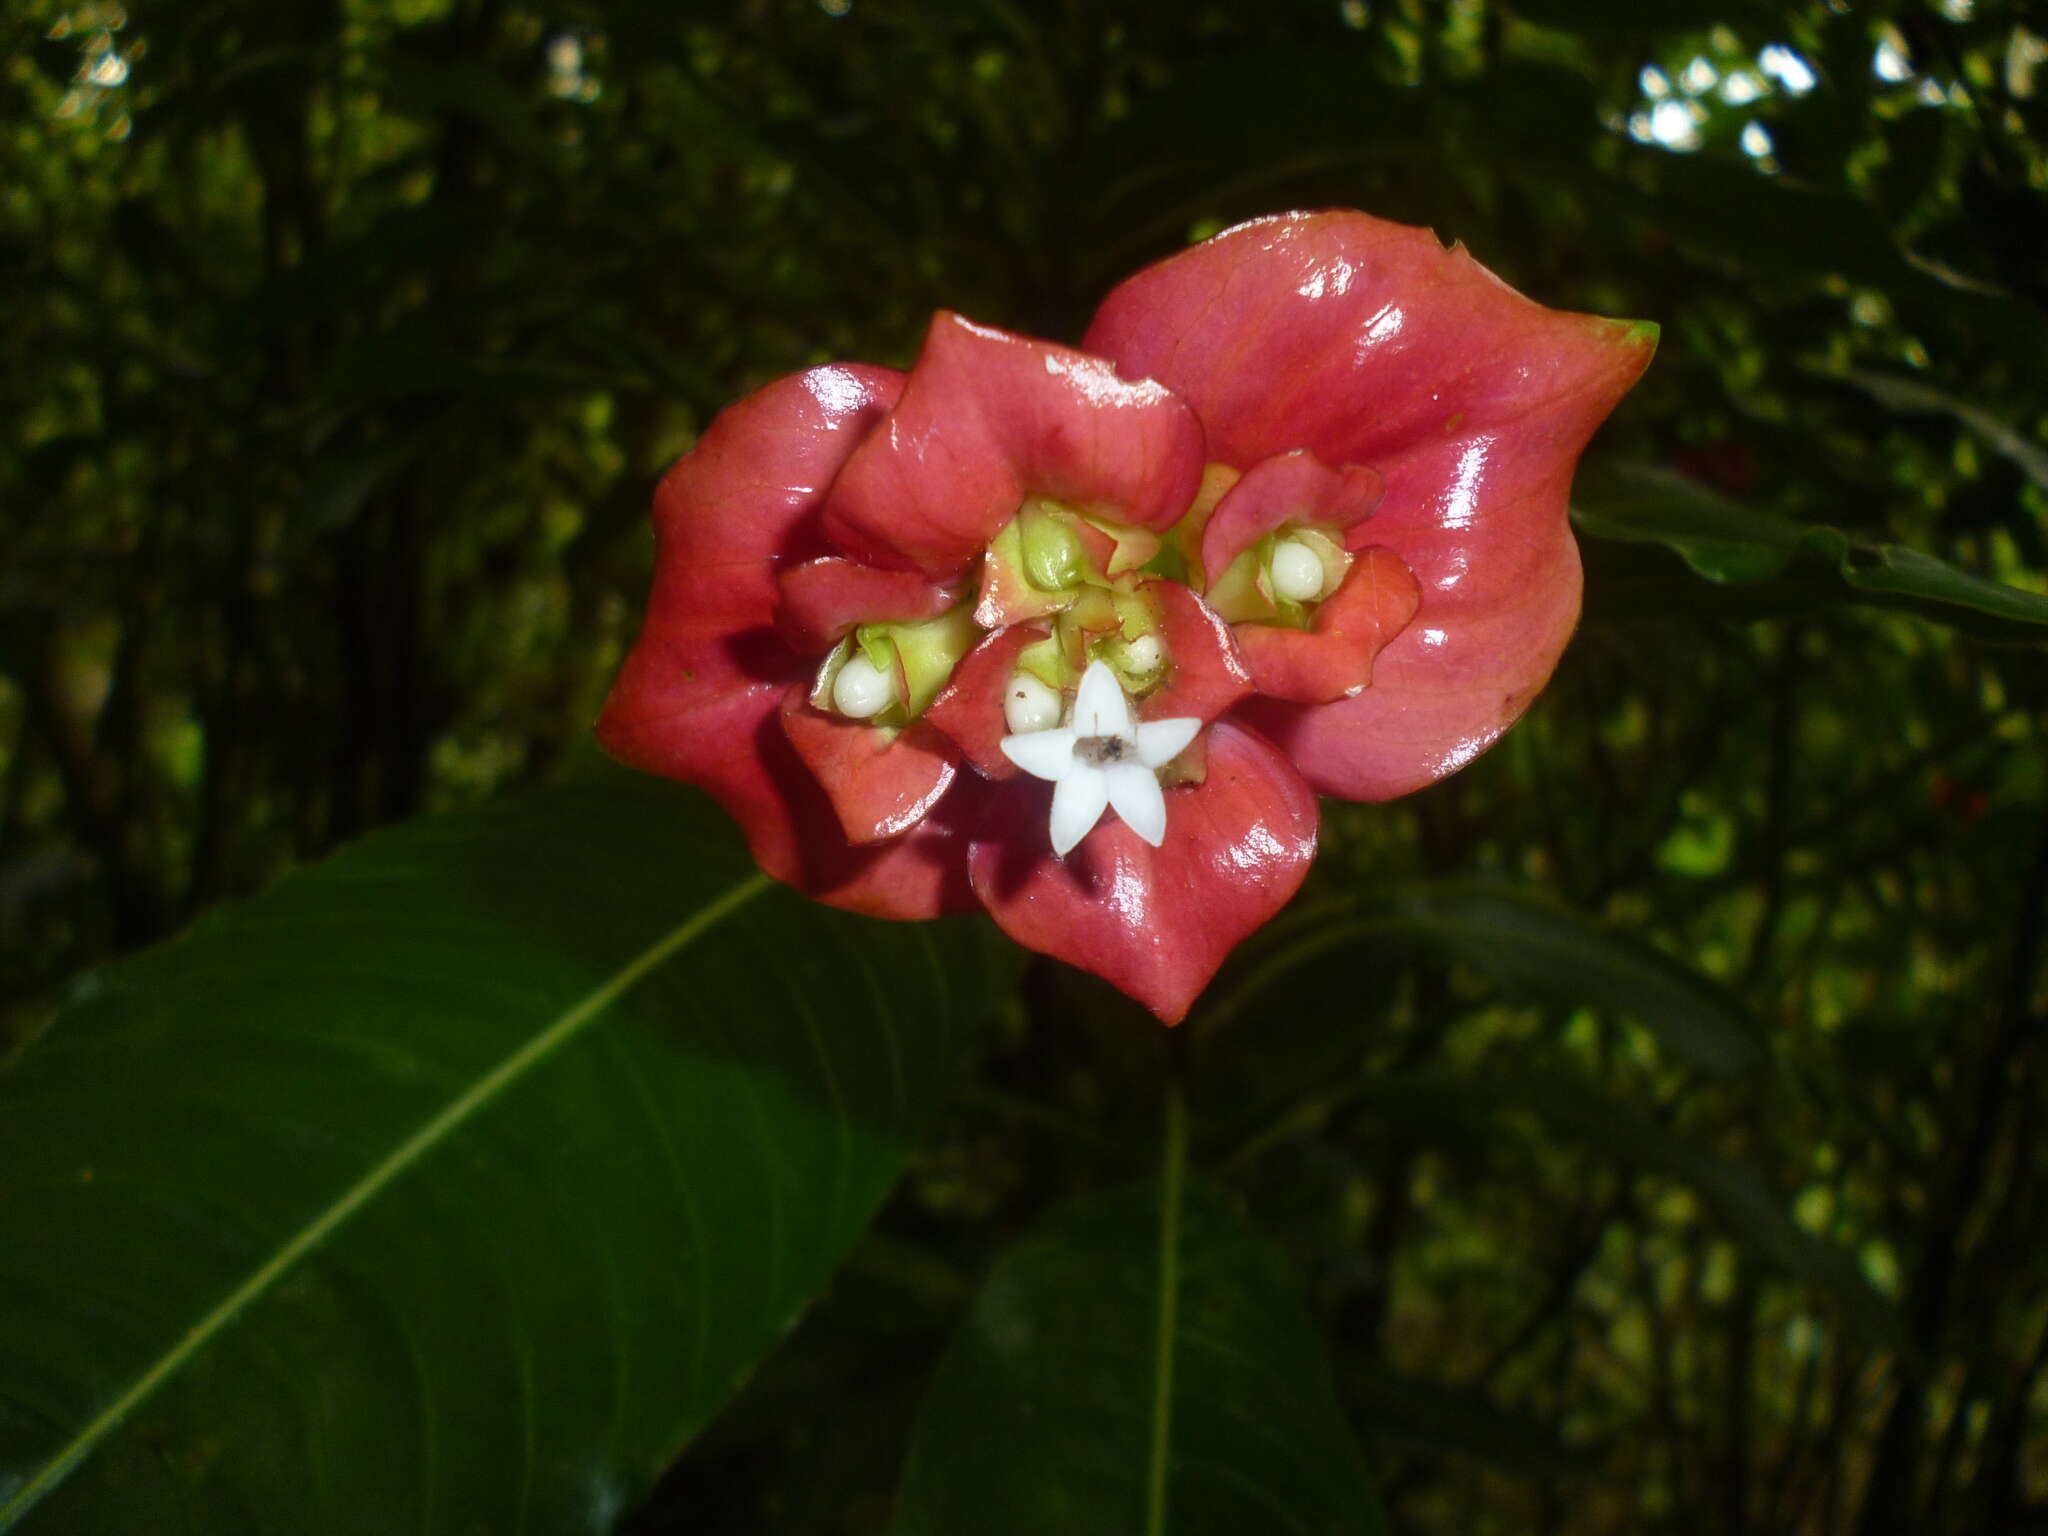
column 1029, row 705
column 1144, row 656
column 861, row 690
column 1297, row 571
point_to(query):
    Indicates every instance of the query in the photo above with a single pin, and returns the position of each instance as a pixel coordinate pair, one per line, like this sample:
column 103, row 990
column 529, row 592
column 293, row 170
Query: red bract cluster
column 1294, row 513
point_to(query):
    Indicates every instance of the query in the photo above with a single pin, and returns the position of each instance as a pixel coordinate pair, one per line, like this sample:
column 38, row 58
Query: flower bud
column 1030, row 705
column 861, row 690
column 1297, row 571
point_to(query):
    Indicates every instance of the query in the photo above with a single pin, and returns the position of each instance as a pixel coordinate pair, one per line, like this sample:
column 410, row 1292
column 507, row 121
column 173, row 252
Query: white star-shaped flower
column 1101, row 758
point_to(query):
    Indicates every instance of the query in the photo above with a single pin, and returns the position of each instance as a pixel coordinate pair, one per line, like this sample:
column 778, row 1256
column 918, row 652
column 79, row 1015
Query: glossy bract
column 1300, row 495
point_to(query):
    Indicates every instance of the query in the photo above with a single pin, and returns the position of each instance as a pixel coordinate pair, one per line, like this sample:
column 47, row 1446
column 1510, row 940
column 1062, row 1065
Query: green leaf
column 1882, row 570
column 1727, row 542
column 1722, row 540
column 1043, row 1414
column 1533, row 949
column 1896, row 392
column 454, row 1183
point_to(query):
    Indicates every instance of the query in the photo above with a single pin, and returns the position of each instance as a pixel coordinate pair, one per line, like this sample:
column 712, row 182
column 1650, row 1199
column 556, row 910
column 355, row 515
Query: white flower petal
column 1100, row 708
column 1077, row 804
column 1134, row 792
column 1043, row 754
column 1161, row 741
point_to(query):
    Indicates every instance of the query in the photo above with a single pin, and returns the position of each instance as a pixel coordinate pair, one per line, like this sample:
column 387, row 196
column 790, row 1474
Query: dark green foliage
column 1649, row 1113
column 1041, row 1416
column 465, row 1175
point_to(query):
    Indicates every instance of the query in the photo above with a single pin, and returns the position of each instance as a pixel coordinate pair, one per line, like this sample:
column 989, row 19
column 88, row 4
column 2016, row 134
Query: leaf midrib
column 450, row 1118
column 1166, row 1318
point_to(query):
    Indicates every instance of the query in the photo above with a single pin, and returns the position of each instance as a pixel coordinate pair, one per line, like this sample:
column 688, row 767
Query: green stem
column 1172, row 1170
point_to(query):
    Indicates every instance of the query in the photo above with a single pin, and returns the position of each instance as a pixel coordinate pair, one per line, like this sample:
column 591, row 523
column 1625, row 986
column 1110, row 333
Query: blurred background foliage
column 1653, row 1110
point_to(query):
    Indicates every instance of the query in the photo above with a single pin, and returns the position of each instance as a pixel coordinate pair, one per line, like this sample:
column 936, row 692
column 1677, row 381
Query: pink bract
column 1156, row 921
column 1369, row 343
column 988, row 526
column 988, row 418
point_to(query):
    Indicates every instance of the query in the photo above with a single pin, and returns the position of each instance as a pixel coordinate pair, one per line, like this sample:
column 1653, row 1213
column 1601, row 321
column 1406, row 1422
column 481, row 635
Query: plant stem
column 1173, row 1167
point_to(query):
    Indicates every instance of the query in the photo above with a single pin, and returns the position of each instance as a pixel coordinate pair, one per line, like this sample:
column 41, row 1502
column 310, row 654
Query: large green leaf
column 1534, row 949
column 1130, row 1377
column 1333, row 972
column 1726, row 541
column 455, row 1183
